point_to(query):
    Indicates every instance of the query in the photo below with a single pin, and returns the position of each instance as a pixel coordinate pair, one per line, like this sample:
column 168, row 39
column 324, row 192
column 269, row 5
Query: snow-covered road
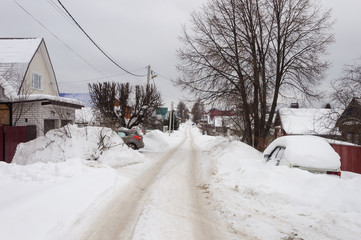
column 181, row 186
column 164, row 201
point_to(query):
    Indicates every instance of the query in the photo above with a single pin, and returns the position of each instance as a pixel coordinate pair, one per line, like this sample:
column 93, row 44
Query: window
column 121, row 134
column 36, row 81
column 276, row 155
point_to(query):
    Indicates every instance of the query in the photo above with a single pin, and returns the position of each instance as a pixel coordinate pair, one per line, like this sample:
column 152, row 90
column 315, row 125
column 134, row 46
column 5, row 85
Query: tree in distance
column 182, row 112
column 120, row 105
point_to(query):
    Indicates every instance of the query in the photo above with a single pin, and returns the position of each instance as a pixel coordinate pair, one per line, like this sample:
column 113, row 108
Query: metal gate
column 10, row 137
column 350, row 157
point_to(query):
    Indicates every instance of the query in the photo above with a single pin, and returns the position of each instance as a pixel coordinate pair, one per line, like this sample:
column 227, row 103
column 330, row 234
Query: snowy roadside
column 259, row 201
column 55, row 179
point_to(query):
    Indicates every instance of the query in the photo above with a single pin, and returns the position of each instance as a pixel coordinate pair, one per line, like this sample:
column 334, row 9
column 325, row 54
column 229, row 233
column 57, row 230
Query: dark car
column 131, row 137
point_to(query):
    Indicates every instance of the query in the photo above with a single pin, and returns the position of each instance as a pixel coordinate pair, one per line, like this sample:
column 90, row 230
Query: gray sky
column 139, row 33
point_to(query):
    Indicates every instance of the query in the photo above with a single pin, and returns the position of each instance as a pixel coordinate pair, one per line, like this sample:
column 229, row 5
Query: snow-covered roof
column 15, row 56
column 35, row 97
column 18, row 50
column 308, row 121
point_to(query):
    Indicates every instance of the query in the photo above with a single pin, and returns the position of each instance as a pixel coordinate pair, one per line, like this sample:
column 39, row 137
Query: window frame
column 276, row 155
column 37, row 86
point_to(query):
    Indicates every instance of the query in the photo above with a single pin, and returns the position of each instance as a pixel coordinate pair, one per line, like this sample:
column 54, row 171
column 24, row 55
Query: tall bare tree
column 182, row 111
column 120, row 105
column 253, row 51
column 197, row 110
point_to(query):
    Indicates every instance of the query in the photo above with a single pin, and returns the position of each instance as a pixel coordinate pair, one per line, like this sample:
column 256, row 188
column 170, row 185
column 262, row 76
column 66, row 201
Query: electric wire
column 94, row 79
column 96, row 45
column 56, row 37
column 61, row 11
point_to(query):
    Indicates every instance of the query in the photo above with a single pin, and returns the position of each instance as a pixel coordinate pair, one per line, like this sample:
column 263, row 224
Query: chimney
column 294, row 105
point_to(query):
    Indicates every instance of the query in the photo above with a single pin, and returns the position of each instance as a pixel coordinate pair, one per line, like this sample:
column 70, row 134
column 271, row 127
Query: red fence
column 350, row 157
column 2, row 143
column 10, row 137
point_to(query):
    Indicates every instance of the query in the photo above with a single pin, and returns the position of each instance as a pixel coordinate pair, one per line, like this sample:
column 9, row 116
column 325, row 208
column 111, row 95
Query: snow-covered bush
column 69, row 142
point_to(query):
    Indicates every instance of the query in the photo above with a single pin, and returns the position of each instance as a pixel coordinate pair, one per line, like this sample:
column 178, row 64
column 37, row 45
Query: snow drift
column 154, row 141
column 69, row 142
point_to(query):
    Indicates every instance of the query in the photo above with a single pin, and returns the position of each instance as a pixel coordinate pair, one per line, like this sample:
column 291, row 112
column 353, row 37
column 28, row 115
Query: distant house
column 220, row 118
column 217, row 121
column 349, row 123
column 306, row 121
column 29, row 93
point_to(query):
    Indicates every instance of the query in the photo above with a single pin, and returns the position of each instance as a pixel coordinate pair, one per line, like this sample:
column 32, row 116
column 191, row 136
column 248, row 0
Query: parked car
column 310, row 153
column 133, row 138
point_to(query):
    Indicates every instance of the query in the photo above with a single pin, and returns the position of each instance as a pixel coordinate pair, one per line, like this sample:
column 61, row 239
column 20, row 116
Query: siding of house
column 41, row 65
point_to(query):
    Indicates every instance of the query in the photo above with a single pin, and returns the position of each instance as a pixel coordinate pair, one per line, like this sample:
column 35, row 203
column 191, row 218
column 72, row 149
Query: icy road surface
column 165, row 201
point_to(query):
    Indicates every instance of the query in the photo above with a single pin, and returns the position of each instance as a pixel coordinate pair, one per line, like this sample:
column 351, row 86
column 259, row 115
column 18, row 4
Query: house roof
column 220, row 113
column 41, row 97
column 15, row 56
column 308, row 121
column 18, row 50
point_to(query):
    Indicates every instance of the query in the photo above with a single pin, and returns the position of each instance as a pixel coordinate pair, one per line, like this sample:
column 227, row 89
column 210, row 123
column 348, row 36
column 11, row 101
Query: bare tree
column 18, row 90
column 182, row 111
column 120, row 105
column 348, row 86
column 253, row 51
column 346, row 95
column 197, row 110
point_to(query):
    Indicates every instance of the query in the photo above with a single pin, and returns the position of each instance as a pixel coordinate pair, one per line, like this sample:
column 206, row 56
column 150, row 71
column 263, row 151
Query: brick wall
column 34, row 114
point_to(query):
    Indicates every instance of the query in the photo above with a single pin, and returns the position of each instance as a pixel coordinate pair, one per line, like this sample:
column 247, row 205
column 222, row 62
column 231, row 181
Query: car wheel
column 132, row 146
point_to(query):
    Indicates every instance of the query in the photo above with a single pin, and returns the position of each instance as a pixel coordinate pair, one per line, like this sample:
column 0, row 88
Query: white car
column 310, row 153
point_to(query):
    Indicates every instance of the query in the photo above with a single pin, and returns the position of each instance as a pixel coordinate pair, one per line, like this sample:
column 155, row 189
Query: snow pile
column 305, row 151
column 285, row 203
column 71, row 142
column 155, row 141
column 45, row 199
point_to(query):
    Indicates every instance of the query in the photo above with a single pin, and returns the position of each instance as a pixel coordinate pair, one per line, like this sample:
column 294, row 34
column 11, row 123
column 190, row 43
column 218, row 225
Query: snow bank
column 155, row 141
column 43, row 200
column 285, row 203
column 88, row 143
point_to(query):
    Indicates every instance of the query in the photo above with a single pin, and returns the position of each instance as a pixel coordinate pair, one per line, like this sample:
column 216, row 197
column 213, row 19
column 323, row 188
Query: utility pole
column 170, row 118
column 148, row 75
column 147, row 92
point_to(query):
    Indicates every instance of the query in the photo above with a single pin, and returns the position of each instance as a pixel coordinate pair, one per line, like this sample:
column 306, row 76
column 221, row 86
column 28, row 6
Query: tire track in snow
column 165, row 199
column 204, row 227
column 118, row 220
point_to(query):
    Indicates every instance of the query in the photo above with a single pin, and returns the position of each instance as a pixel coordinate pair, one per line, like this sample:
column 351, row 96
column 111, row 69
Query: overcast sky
column 136, row 34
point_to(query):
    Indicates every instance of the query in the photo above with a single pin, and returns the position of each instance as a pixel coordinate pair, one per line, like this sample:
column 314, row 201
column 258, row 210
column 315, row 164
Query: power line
column 96, row 45
column 55, row 36
column 166, row 78
column 93, row 79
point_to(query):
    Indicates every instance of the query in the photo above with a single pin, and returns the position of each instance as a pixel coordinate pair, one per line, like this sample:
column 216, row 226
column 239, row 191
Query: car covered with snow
column 309, row 153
